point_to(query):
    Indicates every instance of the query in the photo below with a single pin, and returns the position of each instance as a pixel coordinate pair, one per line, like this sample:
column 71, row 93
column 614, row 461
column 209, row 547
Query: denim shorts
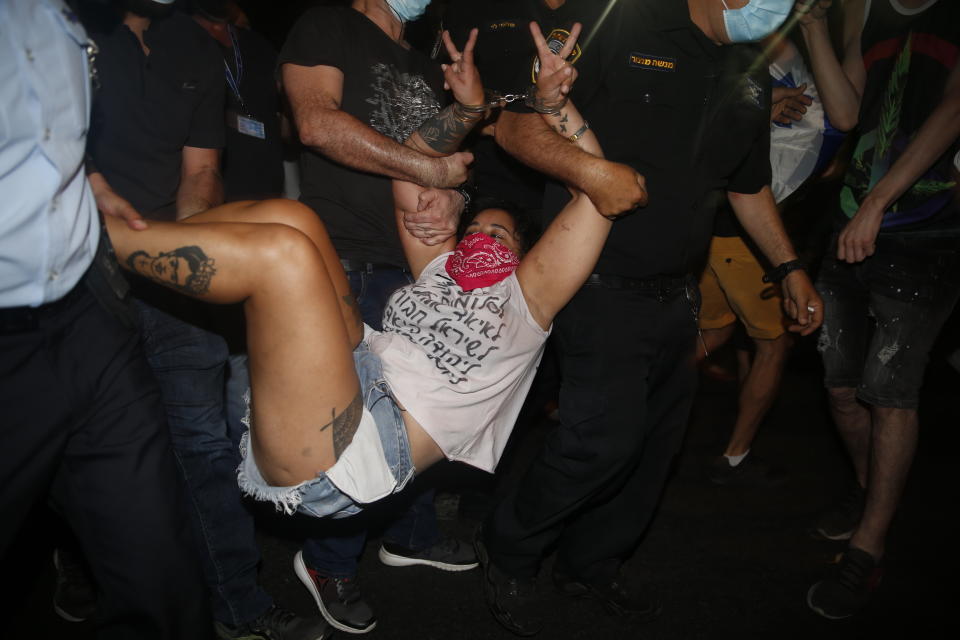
column 319, row 497
column 882, row 315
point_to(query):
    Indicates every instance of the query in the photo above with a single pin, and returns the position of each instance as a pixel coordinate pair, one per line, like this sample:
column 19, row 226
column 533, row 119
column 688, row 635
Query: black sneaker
column 511, row 600
column 842, row 519
column 612, row 595
column 74, row 598
column 849, row 588
column 276, row 624
column 752, row 471
column 339, row 599
column 449, row 555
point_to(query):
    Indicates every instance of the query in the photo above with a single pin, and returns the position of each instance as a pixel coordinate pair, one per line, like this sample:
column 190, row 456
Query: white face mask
column 755, row 20
column 408, row 10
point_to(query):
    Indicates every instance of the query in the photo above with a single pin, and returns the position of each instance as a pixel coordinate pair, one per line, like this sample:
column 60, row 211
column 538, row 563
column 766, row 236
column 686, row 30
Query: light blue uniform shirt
column 48, row 218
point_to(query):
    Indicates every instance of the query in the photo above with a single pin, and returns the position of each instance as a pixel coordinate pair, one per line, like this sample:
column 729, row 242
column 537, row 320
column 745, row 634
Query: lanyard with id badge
column 243, row 122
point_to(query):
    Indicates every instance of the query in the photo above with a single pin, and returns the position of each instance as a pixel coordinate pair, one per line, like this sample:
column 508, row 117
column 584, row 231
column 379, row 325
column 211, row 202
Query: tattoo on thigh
column 351, row 303
column 344, row 425
column 187, row 269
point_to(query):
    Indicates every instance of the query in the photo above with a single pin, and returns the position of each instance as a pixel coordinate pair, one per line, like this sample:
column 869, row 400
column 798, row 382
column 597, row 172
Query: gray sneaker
column 276, row 624
column 842, row 519
column 448, row 555
column 339, row 599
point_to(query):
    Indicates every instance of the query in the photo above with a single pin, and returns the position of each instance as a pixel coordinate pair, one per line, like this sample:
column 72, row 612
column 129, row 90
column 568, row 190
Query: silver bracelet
column 579, row 133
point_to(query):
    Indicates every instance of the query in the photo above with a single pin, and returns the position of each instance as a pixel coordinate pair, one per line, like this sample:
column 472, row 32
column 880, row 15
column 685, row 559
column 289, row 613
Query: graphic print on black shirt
column 401, row 101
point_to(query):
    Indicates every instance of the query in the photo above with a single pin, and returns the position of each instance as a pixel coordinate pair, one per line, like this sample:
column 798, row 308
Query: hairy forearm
column 198, row 192
column 760, row 218
column 532, row 141
column 343, row 138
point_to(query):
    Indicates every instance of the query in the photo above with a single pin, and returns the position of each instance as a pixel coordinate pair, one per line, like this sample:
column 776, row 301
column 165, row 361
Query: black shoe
column 74, row 598
column 339, row 599
column 752, row 471
column 276, row 624
column 449, row 555
column 611, row 594
column 510, row 599
column 849, row 588
column 842, row 519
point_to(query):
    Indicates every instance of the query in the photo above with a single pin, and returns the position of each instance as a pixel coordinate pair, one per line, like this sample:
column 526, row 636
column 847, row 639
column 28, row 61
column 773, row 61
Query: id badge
column 250, row 127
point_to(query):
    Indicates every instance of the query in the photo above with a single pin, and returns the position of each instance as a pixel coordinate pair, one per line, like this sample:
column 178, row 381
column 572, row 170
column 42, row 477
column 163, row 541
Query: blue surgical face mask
column 408, row 10
column 756, row 20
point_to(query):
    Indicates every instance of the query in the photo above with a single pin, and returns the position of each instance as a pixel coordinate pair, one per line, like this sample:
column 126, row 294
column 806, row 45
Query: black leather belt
column 369, row 267
column 662, row 287
column 21, row 319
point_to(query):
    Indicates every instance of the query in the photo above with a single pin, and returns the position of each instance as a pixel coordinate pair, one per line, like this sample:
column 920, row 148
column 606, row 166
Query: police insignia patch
column 556, row 40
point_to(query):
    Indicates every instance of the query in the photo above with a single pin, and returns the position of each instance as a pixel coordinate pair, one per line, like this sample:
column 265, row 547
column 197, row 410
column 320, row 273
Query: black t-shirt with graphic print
column 689, row 115
column 386, row 86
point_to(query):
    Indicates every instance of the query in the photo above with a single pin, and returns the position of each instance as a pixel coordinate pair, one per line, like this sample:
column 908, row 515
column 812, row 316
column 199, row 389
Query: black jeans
column 628, row 384
column 83, row 424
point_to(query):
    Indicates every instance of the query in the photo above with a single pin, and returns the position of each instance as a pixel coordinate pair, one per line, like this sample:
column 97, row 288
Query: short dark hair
column 523, row 220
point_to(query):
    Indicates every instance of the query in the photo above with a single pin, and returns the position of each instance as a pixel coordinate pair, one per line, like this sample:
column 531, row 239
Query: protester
column 357, row 91
column 892, row 274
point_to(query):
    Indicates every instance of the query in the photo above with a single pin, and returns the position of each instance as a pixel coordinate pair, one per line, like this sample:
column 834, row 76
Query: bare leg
column 854, row 424
column 894, row 443
column 307, row 402
column 758, row 391
column 713, row 339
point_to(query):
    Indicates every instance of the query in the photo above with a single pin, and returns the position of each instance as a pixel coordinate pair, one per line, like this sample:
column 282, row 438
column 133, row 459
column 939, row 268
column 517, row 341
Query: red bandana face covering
column 480, row 261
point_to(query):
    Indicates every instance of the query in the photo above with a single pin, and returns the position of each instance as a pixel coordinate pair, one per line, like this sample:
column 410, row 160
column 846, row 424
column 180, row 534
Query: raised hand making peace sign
column 461, row 76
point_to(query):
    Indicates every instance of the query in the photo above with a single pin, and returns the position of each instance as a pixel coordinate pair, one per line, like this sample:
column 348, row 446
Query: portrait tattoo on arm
column 345, row 425
column 187, row 269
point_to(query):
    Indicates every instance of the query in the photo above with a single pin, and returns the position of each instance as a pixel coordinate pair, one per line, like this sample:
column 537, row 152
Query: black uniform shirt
column 691, row 116
column 149, row 107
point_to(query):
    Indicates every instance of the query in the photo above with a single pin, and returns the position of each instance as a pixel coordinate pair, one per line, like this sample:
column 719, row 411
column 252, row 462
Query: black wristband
column 780, row 272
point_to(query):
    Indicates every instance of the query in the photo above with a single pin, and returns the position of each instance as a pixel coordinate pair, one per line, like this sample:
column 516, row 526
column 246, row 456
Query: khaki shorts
column 732, row 287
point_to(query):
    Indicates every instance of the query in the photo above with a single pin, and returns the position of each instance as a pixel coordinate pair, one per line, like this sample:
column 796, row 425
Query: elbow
column 844, row 122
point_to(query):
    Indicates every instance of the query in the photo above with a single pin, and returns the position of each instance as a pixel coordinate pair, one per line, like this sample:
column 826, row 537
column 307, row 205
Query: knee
column 297, row 215
column 843, row 399
column 283, row 248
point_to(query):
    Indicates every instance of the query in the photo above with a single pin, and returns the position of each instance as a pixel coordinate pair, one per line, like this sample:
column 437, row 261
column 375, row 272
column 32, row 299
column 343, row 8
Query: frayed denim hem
column 286, row 499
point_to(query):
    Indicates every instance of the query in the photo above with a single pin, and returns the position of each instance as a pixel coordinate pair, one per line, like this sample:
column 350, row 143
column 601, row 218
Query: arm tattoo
column 564, row 119
column 445, row 131
column 344, row 425
column 187, row 269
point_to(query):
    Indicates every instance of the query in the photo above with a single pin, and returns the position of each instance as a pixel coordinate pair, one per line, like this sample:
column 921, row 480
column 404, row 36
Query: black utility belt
column 369, row 267
column 663, row 287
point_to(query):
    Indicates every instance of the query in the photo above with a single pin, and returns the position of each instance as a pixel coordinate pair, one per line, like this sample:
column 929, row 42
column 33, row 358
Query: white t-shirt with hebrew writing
column 461, row 362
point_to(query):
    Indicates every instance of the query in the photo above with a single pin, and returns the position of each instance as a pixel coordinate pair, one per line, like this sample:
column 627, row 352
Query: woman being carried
column 341, row 419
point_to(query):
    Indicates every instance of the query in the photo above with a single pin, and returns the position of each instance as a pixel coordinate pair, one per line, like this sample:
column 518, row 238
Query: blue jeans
column 319, row 497
column 412, row 517
column 188, row 363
